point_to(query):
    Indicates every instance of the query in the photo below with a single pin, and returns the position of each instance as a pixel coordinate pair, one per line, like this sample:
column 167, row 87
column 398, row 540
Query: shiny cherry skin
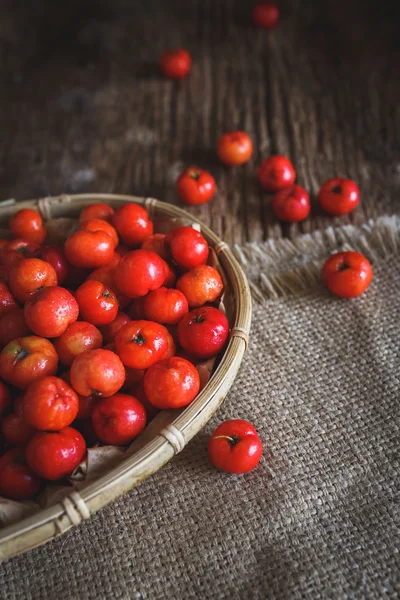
column 110, row 330
column 55, row 455
column 133, row 224
column 97, row 303
column 265, row 15
column 235, row 447
column 26, row 359
column 339, row 196
column 203, row 332
column 56, row 258
column 195, row 186
column 140, row 344
column 98, row 210
column 50, row 404
column 175, row 64
column 77, row 338
column 97, row 372
column 89, row 249
column 12, row 325
column 188, row 247
column 29, row 275
column 234, row 148
column 201, row 285
column 347, row 274
column 276, row 173
column 28, row 224
column 139, row 272
column 48, row 312
column 291, row 204
column 118, row 419
column 166, row 306
column 171, row 383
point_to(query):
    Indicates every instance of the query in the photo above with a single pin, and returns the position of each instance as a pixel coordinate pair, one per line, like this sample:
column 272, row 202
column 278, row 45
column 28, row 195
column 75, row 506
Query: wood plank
column 83, row 108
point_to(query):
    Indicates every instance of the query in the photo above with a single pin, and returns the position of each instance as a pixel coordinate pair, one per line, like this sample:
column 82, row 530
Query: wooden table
column 83, row 107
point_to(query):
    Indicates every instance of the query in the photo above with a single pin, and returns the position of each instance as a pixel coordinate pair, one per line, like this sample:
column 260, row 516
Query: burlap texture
column 318, row 519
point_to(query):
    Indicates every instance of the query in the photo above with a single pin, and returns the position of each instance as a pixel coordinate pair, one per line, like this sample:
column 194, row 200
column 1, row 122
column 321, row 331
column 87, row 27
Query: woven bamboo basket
column 51, row 522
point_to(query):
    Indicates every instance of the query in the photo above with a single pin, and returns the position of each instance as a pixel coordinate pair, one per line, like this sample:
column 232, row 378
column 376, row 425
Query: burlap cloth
column 319, row 517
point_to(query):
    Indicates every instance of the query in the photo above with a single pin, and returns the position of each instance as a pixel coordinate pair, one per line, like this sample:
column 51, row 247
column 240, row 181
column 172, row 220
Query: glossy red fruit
column 56, row 258
column 170, row 276
column 7, row 300
column 28, row 276
column 17, row 480
column 339, row 196
column 97, row 372
column 195, row 186
column 139, row 272
column 13, row 326
column 98, row 210
column 97, row 303
column 79, row 337
column 235, row 447
column 140, row 344
column 234, row 148
column 105, row 275
column 50, row 404
column 166, row 306
column 203, row 332
column 171, row 383
column 188, row 247
column 265, row 15
column 110, row 330
column 100, row 225
column 175, row 63
column 347, row 274
column 50, row 311
column 133, row 224
column 118, row 419
column 28, row 224
column 291, row 204
column 54, row 455
column 16, row 431
column 26, row 359
column 89, row 249
column 276, row 173
column 17, row 250
column 201, row 285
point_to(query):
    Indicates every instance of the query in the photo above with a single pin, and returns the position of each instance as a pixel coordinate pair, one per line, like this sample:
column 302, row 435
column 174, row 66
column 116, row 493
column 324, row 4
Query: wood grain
column 83, row 107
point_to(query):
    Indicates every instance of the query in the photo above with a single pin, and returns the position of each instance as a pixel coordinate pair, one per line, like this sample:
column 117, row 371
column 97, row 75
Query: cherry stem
column 138, row 339
column 199, row 318
column 343, row 267
column 21, row 354
column 232, row 439
column 337, row 189
column 194, row 175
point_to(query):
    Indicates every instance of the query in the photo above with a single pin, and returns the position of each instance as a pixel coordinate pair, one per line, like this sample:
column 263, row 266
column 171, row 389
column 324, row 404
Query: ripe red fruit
column 234, row 148
column 97, row 210
column 276, row 173
column 203, row 332
column 201, row 285
column 26, row 359
column 100, row 225
column 175, row 63
column 166, row 306
column 171, row 383
column 89, row 249
column 170, row 276
column 195, row 186
column 49, row 311
column 110, row 330
column 291, row 204
column 118, row 419
column 56, row 258
column 79, row 337
column 347, row 274
column 265, row 15
column 235, row 447
column 138, row 272
column 28, row 224
column 28, row 276
column 339, row 196
column 17, row 480
column 54, row 455
column 50, row 404
column 16, row 431
column 17, row 250
column 97, row 372
column 140, row 344
column 132, row 223
column 136, row 309
column 5, row 398
column 86, row 406
column 13, row 326
column 156, row 243
column 7, row 300
column 97, row 303
column 188, row 247
column 106, row 276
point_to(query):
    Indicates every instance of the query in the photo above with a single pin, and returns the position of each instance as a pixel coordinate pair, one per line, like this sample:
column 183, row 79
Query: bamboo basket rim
column 50, row 522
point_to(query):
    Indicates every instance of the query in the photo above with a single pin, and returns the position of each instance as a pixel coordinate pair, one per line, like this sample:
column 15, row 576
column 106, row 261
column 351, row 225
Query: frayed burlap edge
column 279, row 268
